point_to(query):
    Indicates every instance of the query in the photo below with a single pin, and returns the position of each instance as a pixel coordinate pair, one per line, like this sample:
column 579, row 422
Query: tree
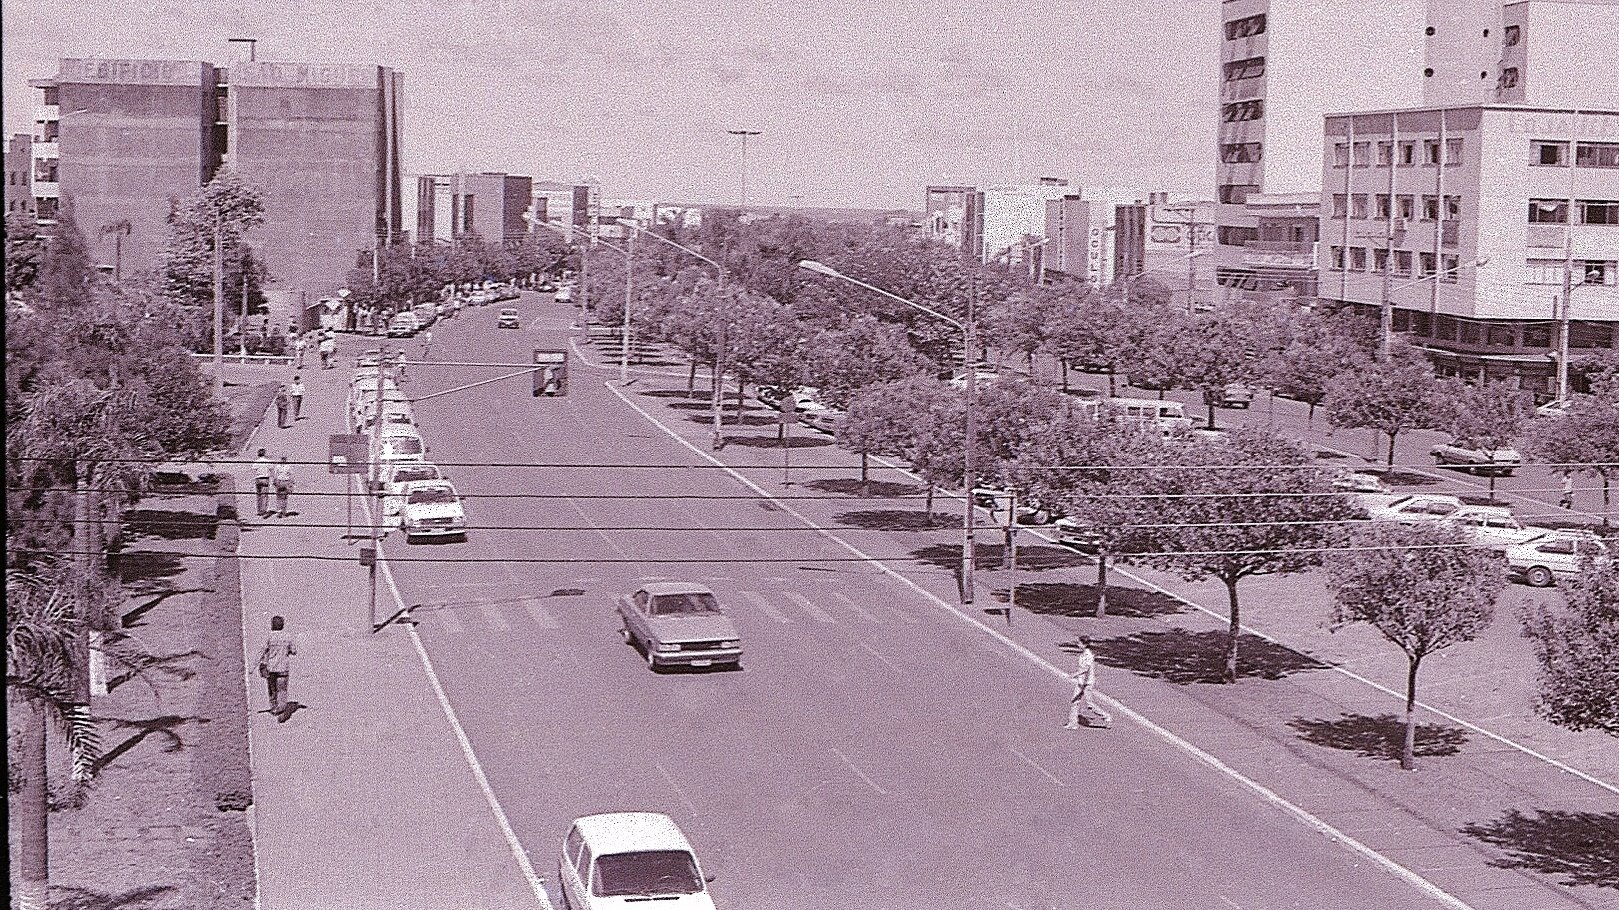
column 44, row 610
column 1578, row 649
column 1021, row 321
column 25, row 250
column 185, row 266
column 863, row 352
column 1586, row 439
column 1486, row 415
column 1233, row 509
column 878, row 422
column 1423, row 587
column 1143, row 329
column 1214, row 350
column 1389, row 396
column 1078, row 329
column 1318, row 348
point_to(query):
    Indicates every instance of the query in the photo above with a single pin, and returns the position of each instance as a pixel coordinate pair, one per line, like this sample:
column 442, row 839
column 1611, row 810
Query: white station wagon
column 631, row 860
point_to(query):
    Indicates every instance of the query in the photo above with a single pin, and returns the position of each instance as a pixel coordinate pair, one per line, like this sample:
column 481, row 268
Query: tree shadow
column 1581, row 847
column 993, row 555
column 176, row 666
column 1184, row 657
column 135, row 617
column 893, row 520
column 1062, row 598
column 169, row 524
column 154, row 726
column 145, row 572
column 66, row 897
column 700, row 394
column 730, row 420
column 771, row 442
column 1381, row 736
column 877, row 489
column 1399, row 478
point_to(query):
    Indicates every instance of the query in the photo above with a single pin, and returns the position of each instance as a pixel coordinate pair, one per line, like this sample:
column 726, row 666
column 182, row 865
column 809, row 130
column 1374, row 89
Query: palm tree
column 44, row 622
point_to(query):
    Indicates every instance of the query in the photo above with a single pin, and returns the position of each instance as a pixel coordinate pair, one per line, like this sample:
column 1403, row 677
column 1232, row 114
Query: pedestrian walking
column 328, row 349
column 261, row 482
column 299, row 345
column 281, row 476
column 282, row 402
column 1084, row 677
column 275, row 665
column 296, row 393
column 1567, row 501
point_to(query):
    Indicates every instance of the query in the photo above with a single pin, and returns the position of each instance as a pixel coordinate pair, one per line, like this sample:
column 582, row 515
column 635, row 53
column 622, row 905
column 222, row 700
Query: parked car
column 564, row 294
column 1554, row 408
column 1466, row 455
column 431, row 509
column 1235, row 395
column 546, row 286
column 1493, row 526
column 395, row 443
column 770, row 396
column 1077, row 534
column 506, row 292
column 403, row 325
column 1167, row 418
column 675, row 622
column 1542, row 561
column 982, row 376
column 508, row 319
column 395, row 477
column 1347, row 481
column 629, row 859
column 1410, row 509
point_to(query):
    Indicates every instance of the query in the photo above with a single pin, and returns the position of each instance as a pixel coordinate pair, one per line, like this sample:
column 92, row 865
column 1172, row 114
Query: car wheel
column 729, row 666
column 652, row 660
column 1539, row 577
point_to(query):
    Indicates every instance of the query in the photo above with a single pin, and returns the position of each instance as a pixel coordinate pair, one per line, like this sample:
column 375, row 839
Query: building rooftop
column 1494, row 106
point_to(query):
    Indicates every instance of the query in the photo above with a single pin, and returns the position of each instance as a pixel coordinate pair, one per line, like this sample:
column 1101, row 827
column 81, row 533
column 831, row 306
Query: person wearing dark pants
column 1567, row 502
column 296, row 393
column 281, row 474
column 275, row 665
column 261, row 482
column 282, row 401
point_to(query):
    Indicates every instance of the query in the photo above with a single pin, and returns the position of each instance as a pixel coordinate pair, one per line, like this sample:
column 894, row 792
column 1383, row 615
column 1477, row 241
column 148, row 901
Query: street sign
column 350, row 453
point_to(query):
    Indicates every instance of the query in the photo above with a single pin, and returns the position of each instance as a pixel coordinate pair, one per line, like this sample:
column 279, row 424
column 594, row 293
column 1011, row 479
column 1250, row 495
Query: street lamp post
column 624, row 334
column 969, row 344
column 1386, row 316
column 744, row 134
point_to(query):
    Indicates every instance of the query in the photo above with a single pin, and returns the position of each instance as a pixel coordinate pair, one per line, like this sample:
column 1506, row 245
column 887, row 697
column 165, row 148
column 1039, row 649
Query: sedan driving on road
column 508, row 319
column 432, row 509
column 1410, row 509
column 1469, row 456
column 679, row 623
column 1544, row 560
column 631, row 859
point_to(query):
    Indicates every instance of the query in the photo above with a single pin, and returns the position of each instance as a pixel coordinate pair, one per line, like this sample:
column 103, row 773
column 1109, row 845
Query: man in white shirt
column 295, row 391
column 1084, row 678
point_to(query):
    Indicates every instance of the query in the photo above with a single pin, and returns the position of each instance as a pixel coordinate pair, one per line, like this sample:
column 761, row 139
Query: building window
column 1597, row 154
column 1251, row 68
column 1385, row 154
column 1385, row 208
column 1499, row 336
column 1469, row 333
column 1509, row 78
column 1596, row 271
column 1425, row 262
column 1245, row 28
column 1235, row 193
column 1357, row 259
column 1430, row 208
column 1511, row 36
column 1453, row 151
column 1582, row 334
column 1336, row 256
column 1406, row 206
column 1380, row 260
column 1402, row 262
column 1363, row 154
column 1240, row 152
column 1359, row 206
column 1594, row 211
column 1340, row 154
column 1543, row 271
column 1243, row 111
column 1548, row 211
column 1444, row 328
column 1548, row 154
column 46, row 208
column 1430, row 151
column 1226, row 235
column 1340, row 205
column 49, row 95
column 1537, row 336
column 1453, row 208
column 1452, row 268
column 1408, row 154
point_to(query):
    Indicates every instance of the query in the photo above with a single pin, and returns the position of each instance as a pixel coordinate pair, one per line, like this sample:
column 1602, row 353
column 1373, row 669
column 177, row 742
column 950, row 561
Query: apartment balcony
column 1278, row 254
column 1242, row 89
column 47, row 151
column 47, row 189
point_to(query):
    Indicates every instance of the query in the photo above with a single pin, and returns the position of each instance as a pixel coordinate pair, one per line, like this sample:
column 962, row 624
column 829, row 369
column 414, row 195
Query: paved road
column 876, row 751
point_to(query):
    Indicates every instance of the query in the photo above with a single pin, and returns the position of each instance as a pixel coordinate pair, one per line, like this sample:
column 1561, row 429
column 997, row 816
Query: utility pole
column 219, row 313
column 624, row 334
column 969, row 546
column 744, row 134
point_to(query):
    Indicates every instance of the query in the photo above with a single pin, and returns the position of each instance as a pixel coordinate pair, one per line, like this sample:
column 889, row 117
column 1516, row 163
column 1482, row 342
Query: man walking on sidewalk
column 282, row 475
column 1084, row 678
column 296, row 393
column 1567, row 501
column 261, row 482
column 275, row 665
column 281, row 404
column 328, row 347
column 298, row 348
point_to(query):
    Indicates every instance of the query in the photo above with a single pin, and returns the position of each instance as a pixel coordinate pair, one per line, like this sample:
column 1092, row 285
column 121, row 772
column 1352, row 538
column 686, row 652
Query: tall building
column 127, row 139
column 955, row 215
column 494, row 206
column 20, row 174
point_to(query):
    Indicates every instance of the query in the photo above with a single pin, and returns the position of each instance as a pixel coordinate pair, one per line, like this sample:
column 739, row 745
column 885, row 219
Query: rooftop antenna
column 252, row 46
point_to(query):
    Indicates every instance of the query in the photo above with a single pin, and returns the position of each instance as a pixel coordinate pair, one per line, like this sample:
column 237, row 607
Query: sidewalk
column 363, row 799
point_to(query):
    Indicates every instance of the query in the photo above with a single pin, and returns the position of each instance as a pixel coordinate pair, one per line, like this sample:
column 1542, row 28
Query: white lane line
column 1037, row 766
column 879, row 655
column 766, row 607
column 855, row 608
column 495, row 617
column 859, row 773
column 695, row 813
column 542, row 618
column 535, row 882
column 1416, row 881
column 808, row 606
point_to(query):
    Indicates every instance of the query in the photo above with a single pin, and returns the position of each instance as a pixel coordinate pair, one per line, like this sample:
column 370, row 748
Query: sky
column 859, row 104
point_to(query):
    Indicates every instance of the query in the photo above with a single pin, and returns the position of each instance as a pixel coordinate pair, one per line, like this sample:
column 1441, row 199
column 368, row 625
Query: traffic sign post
column 551, row 379
column 349, row 454
column 789, row 416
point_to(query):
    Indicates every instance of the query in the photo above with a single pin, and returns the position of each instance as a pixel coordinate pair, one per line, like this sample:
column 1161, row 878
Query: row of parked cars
column 422, row 315
column 416, row 496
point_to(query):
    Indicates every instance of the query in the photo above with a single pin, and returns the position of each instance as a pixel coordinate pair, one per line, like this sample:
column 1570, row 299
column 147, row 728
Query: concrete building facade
column 127, row 139
column 19, row 160
column 494, row 206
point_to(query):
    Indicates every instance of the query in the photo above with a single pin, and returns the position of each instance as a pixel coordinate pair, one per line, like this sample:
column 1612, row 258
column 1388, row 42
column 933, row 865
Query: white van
column 630, row 859
column 1169, row 417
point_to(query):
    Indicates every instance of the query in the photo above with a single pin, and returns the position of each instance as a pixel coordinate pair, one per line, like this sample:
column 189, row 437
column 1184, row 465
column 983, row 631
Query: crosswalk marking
column 765, row 606
column 809, row 607
column 494, row 616
column 903, row 616
column 857, row 609
column 541, row 617
column 452, row 623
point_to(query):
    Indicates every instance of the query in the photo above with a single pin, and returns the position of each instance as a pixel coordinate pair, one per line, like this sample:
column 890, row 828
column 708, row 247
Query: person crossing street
column 296, row 393
column 1084, row 677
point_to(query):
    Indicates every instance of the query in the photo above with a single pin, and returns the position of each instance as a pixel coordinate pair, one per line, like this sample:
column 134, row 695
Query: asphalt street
column 874, row 751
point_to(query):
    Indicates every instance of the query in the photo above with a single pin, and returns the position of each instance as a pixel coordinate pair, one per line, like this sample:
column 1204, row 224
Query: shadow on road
column 145, row 572
column 993, row 556
column 894, row 520
column 770, row 442
column 1184, row 657
column 70, row 898
column 876, row 489
column 1062, row 598
column 1381, row 736
column 168, row 524
column 705, row 417
column 1582, row 848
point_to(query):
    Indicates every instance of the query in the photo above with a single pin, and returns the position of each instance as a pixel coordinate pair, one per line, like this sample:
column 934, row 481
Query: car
column 1540, row 562
column 1349, row 481
column 629, row 859
column 1410, row 509
column 1554, row 408
column 431, row 508
column 393, row 413
column 818, row 416
column 564, row 294
column 403, row 325
column 1235, row 395
column 1468, row 456
column 396, row 443
column 982, row 376
column 480, row 298
column 675, row 622
column 395, row 477
column 770, row 396
column 1077, row 534
column 506, row 292
column 508, row 319
column 1493, row 526
column 546, row 286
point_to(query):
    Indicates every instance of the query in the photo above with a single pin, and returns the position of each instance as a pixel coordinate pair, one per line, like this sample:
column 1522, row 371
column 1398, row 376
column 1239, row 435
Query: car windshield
column 415, row 472
column 406, row 445
column 431, row 496
column 691, row 603
column 649, row 872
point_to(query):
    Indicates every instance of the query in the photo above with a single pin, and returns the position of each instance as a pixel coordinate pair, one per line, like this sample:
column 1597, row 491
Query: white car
column 404, row 325
column 395, row 477
column 631, row 859
column 431, row 509
column 508, row 319
column 396, row 443
column 564, row 294
column 1556, row 408
column 1469, row 457
column 1493, row 527
column 1543, row 560
column 1360, row 482
column 1410, row 509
